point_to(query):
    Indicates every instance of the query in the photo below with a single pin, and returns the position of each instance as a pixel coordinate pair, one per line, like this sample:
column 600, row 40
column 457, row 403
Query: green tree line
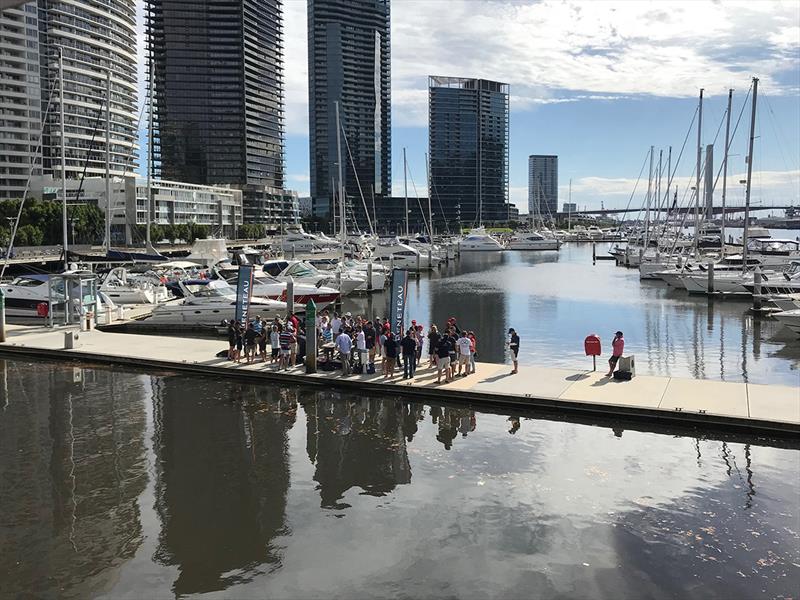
column 41, row 223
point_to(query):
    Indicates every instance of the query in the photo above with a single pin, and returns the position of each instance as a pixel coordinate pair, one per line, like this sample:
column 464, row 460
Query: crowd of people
column 368, row 345
column 364, row 345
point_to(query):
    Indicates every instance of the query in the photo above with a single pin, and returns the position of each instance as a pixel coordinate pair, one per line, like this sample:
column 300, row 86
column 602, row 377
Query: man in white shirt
column 336, row 324
column 361, row 346
column 344, row 344
column 464, row 352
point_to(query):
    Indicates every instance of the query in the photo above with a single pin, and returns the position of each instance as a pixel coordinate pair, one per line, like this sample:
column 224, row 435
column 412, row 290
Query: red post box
column 592, row 347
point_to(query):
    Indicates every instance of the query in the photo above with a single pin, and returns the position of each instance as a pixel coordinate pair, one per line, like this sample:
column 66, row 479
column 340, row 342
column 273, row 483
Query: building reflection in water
column 480, row 308
column 223, row 475
column 72, row 466
column 359, row 443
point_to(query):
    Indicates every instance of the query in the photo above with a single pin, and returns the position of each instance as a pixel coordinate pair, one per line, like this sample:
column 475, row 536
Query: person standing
column 275, row 343
column 286, row 340
column 389, row 354
column 473, row 348
column 514, row 347
column 369, row 337
column 361, row 346
column 344, row 344
column 617, row 348
column 443, row 359
column 409, row 346
column 464, row 353
column 232, row 340
column 433, row 341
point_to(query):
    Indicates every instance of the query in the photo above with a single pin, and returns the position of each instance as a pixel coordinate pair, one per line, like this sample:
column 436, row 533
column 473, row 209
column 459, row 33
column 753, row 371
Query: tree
column 29, row 235
column 196, row 232
column 250, row 231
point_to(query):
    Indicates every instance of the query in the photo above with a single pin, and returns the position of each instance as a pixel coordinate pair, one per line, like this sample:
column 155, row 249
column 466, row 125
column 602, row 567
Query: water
column 120, row 484
column 554, row 300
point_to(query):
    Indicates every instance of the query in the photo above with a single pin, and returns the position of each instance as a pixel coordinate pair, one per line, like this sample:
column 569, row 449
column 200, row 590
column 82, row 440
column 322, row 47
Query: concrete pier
column 771, row 409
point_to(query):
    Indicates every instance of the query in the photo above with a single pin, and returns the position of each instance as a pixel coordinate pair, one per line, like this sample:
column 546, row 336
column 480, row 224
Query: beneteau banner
column 244, row 291
column 397, row 300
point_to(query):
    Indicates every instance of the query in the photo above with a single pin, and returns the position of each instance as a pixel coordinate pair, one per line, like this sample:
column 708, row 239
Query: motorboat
column 270, row 287
column 532, row 240
column 302, row 272
column 403, row 256
column 785, row 301
column 208, row 252
column 380, row 273
column 789, row 319
column 122, row 289
column 25, row 294
column 207, row 302
column 479, row 240
column 739, row 282
column 773, row 252
column 298, row 240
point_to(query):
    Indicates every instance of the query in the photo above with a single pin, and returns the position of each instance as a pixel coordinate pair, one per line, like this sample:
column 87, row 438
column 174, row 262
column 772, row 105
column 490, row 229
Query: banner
column 397, row 300
column 244, row 291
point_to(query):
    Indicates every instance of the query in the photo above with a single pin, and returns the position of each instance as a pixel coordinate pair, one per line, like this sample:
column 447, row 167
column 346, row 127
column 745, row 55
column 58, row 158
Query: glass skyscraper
column 218, row 76
column 349, row 63
column 468, row 145
column 542, row 185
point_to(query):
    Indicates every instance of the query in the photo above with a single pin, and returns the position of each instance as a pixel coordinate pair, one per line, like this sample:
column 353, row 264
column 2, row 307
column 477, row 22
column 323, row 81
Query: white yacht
column 122, row 289
column 298, row 240
column 302, row 272
column 271, row 288
column 532, row 240
column 208, row 252
column 25, row 293
column 479, row 240
column 403, row 256
column 207, row 303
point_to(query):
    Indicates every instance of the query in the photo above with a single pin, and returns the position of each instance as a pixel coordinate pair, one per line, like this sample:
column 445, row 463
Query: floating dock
column 769, row 409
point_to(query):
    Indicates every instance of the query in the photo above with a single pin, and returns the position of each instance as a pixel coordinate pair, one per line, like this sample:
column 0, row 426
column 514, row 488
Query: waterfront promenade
column 774, row 408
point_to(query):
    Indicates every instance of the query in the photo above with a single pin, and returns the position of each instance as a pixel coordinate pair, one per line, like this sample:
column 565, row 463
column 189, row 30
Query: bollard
column 430, row 259
column 627, row 256
column 757, row 289
column 594, row 253
column 293, row 251
column 2, row 316
column 710, row 277
column 289, row 296
column 417, row 263
column 641, row 255
column 391, row 263
column 369, row 276
column 312, row 336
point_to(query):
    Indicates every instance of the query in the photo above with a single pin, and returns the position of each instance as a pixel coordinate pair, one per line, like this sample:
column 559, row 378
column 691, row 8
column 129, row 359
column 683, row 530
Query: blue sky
column 595, row 82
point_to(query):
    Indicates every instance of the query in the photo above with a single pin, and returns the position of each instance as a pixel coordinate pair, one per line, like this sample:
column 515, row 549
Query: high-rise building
column 96, row 37
column 349, row 63
column 20, row 98
column 218, row 79
column 542, row 185
column 468, row 146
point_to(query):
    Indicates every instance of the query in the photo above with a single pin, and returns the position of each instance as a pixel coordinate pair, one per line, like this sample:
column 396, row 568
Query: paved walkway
column 771, row 407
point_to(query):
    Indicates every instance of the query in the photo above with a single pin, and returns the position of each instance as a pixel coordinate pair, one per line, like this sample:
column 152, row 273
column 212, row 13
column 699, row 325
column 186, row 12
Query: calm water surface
column 121, row 484
column 555, row 299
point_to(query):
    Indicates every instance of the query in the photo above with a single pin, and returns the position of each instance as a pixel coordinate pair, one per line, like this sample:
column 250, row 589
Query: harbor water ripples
column 121, row 484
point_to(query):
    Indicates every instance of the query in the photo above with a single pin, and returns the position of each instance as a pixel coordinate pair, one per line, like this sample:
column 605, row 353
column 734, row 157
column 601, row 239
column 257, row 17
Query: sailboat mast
column 697, row 174
column 108, row 161
column 342, row 227
column 725, row 169
column 405, row 187
column 148, row 200
column 430, row 211
column 649, row 195
column 63, row 153
column 749, row 175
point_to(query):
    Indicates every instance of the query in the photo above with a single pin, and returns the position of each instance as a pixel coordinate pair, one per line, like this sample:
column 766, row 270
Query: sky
column 596, row 83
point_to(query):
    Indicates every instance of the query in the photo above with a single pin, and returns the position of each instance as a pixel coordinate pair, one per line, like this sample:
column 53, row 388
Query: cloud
column 299, row 177
column 769, row 188
column 558, row 51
